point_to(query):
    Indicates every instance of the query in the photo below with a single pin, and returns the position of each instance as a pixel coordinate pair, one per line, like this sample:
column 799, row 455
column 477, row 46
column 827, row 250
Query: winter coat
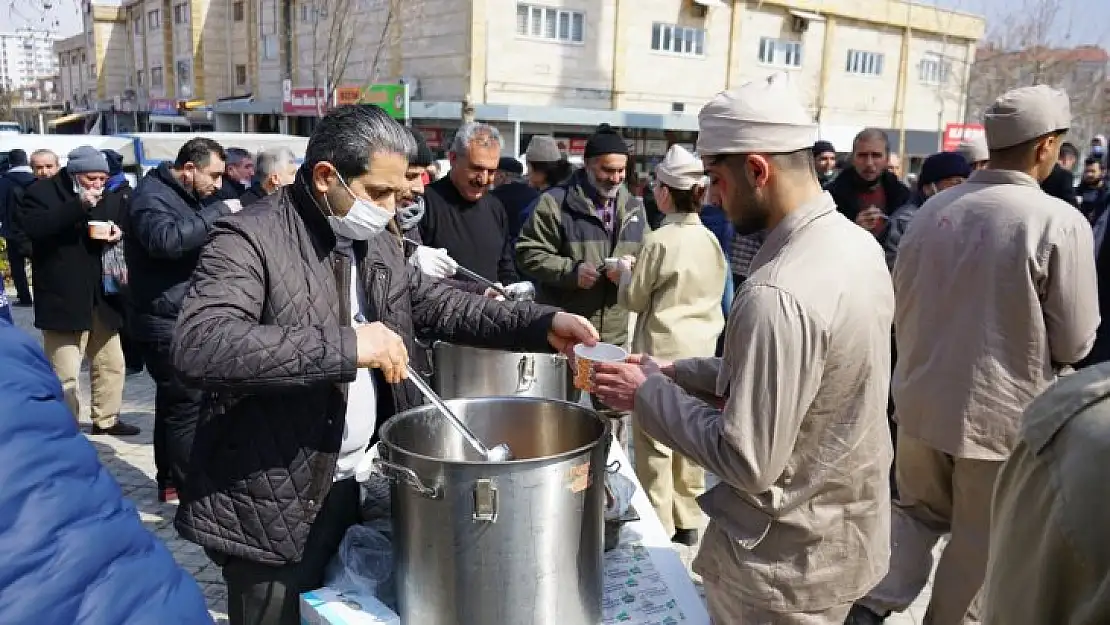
column 846, row 187
column 14, row 178
column 517, row 198
column 68, row 273
column 75, row 551
column 166, row 229
column 565, row 231
column 265, row 328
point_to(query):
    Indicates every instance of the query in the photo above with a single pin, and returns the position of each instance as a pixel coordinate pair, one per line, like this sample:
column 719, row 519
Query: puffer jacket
column 565, row 231
column 75, row 551
column 264, row 329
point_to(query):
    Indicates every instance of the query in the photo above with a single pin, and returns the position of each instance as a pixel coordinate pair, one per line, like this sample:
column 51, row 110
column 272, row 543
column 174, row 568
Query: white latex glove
column 624, row 266
column 233, row 205
column 433, row 262
column 494, row 294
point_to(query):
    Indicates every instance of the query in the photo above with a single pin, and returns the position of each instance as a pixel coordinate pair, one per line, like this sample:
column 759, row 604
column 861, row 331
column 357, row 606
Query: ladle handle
column 431, row 395
column 477, row 277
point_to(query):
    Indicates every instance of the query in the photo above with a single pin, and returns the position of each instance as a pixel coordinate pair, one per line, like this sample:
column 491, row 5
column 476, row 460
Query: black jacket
column 9, row 183
column 475, row 234
column 264, row 328
column 1061, row 184
column 252, row 195
column 229, row 190
column 166, row 230
column 517, row 198
column 847, row 186
column 68, row 273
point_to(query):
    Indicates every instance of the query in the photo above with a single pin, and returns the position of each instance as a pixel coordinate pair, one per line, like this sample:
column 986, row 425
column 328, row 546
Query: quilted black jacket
column 263, row 329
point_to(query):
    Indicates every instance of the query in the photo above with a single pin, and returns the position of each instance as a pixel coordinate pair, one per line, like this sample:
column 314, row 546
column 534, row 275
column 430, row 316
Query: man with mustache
column 793, row 417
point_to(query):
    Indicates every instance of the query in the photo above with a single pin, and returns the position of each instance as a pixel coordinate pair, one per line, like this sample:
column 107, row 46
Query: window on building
column 184, row 70
column 238, row 11
column 308, row 12
column 933, row 69
column 269, row 47
column 153, row 19
column 240, row 75
column 92, row 70
column 137, row 25
column 156, row 77
column 139, row 78
column 181, row 13
column 538, row 22
column 677, row 39
column 864, row 63
column 780, row 52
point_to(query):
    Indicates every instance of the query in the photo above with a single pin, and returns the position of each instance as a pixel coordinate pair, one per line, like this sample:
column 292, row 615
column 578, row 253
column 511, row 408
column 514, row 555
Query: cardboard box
column 327, row 606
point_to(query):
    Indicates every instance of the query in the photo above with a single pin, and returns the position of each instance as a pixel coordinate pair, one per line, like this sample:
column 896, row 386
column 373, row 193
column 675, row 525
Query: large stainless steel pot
column 471, row 372
column 510, row 543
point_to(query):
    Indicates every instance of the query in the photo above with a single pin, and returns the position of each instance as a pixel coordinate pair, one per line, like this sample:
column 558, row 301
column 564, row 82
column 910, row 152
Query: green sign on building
column 392, row 98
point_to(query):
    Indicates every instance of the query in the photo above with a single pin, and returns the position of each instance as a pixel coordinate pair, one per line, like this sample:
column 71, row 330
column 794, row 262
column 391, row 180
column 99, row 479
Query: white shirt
column 362, row 406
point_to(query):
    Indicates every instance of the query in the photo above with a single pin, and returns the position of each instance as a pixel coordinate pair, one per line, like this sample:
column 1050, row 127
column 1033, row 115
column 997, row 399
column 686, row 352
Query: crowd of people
column 848, row 355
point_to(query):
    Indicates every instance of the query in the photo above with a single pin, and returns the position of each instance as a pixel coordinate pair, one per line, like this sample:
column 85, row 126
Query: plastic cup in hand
column 585, row 357
column 100, row 230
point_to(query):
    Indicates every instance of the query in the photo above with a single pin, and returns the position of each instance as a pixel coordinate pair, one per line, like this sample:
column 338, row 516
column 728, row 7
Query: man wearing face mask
column 168, row 225
column 996, row 294
column 792, row 419
column 300, row 317
column 276, row 169
column 462, row 217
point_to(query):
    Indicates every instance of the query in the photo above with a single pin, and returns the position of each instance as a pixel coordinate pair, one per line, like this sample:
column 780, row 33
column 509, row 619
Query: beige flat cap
column 1024, row 114
column 680, row 169
column 760, row 116
column 974, row 150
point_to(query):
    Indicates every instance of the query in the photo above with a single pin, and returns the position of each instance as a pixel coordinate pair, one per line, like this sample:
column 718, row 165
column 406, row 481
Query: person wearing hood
column 675, row 290
column 300, row 319
column 975, row 152
column 1060, row 184
column 824, row 159
column 867, row 192
column 940, row 171
column 13, row 184
column 169, row 224
column 73, row 223
column 1098, row 147
column 276, row 169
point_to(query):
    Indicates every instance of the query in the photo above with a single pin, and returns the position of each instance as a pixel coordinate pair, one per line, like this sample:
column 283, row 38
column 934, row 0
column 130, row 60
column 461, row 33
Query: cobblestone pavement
column 131, row 461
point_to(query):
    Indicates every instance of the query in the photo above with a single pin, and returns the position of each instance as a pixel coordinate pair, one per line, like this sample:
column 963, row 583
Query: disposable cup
column 100, row 230
column 586, row 357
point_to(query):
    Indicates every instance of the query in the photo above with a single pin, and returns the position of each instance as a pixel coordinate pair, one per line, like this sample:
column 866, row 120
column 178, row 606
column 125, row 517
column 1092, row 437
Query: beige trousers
column 937, row 495
column 726, row 607
column 672, row 482
column 66, row 350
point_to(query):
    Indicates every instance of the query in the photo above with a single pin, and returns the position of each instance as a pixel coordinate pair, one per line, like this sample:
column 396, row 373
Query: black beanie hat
column 823, row 147
column 423, row 156
column 605, row 141
column 943, row 165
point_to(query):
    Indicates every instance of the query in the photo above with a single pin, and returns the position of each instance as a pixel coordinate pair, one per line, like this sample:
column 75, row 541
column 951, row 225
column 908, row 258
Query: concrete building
column 26, row 56
column 550, row 66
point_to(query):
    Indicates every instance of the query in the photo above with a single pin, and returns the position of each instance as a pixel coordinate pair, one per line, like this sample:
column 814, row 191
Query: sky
column 1078, row 22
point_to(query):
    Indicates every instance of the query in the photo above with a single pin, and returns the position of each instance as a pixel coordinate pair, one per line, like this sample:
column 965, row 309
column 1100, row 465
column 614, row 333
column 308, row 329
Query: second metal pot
column 462, row 372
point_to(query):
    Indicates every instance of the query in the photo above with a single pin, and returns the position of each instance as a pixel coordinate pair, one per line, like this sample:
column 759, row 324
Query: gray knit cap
column 543, row 149
column 86, row 159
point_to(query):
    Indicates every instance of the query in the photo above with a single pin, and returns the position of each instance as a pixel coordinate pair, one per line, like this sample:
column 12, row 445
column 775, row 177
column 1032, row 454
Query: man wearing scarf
column 868, row 192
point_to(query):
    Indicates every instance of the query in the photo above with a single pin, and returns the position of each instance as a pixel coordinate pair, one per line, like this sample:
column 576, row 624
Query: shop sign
column 162, row 106
column 302, row 101
column 954, row 134
column 348, row 95
column 390, row 97
column 433, row 137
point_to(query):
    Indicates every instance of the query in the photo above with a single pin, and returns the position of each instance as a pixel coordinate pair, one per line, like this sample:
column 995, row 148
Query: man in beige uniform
column 799, row 525
column 1049, row 557
column 995, row 284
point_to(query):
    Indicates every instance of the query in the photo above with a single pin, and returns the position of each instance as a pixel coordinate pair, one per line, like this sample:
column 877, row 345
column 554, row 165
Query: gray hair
column 349, row 135
column 474, row 132
column 272, row 161
column 237, row 155
column 43, row 152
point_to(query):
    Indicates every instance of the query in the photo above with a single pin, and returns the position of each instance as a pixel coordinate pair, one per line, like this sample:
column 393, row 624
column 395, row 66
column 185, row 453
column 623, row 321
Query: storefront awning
column 807, row 16
column 712, row 4
column 169, row 120
column 193, row 105
column 69, row 119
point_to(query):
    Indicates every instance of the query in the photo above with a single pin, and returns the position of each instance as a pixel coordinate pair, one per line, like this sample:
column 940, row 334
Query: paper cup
column 100, row 230
column 585, row 357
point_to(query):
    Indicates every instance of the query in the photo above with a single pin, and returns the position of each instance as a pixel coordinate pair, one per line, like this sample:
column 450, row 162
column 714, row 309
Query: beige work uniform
column 995, row 285
column 1049, row 556
column 676, row 290
column 799, row 525
column 102, row 347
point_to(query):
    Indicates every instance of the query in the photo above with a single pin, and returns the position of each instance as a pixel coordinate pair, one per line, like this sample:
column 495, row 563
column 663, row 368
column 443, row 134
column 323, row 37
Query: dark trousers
column 18, row 263
column 176, row 410
column 132, row 350
column 258, row 594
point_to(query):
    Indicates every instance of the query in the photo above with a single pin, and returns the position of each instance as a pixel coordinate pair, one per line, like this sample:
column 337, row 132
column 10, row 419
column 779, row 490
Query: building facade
column 26, row 56
column 551, row 66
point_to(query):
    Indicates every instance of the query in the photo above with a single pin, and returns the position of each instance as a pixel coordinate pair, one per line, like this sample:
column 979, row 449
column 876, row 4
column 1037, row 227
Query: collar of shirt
column 1003, row 176
column 682, row 219
column 821, row 205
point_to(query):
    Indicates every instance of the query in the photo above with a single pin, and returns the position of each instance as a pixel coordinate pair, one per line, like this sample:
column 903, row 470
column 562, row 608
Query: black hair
column 1093, row 160
column 1069, row 149
column 554, row 172
column 347, row 137
column 687, row 200
column 872, row 134
column 199, row 151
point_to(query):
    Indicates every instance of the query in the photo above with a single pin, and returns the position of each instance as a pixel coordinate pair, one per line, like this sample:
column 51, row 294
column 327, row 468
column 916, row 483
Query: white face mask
column 364, row 220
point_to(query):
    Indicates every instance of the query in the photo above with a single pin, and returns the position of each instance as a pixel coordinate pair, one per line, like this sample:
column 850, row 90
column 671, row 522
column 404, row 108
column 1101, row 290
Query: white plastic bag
column 364, row 562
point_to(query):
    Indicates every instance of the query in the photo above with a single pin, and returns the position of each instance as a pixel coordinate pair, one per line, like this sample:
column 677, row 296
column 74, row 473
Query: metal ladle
column 480, row 279
column 500, row 453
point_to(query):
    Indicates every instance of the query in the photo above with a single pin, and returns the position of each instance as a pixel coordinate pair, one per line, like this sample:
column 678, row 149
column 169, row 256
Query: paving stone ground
column 131, row 461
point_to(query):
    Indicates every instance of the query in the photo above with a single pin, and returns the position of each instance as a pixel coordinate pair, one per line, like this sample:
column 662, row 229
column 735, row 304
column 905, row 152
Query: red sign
column 162, row 106
column 954, row 134
column 433, row 137
column 348, row 95
column 304, row 101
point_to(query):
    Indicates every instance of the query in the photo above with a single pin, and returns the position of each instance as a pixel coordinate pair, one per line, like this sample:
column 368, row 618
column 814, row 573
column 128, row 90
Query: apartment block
column 26, row 56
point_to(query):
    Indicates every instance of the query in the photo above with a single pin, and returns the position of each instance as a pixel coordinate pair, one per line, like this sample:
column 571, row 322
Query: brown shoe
column 118, row 429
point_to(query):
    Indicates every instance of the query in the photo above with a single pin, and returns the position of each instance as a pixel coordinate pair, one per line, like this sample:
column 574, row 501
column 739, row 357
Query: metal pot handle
column 526, row 373
column 397, row 472
column 613, row 467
